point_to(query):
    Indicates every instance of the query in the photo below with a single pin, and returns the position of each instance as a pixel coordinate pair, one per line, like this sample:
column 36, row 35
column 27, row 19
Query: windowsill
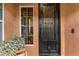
column 29, row 45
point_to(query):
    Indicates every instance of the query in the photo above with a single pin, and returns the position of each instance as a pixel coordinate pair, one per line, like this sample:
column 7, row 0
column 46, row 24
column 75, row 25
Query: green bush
column 13, row 45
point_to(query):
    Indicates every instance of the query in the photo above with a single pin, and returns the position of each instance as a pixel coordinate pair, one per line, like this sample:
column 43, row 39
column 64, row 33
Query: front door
column 49, row 43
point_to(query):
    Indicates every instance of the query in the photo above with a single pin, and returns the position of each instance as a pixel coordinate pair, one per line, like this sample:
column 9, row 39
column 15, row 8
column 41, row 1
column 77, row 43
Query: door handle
column 72, row 30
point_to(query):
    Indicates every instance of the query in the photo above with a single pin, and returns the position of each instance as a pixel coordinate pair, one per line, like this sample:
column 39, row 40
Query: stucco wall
column 70, row 19
column 12, row 24
column 62, row 28
column 11, row 21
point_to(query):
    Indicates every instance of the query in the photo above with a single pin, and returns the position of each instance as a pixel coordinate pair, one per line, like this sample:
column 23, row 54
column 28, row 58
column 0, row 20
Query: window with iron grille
column 27, row 24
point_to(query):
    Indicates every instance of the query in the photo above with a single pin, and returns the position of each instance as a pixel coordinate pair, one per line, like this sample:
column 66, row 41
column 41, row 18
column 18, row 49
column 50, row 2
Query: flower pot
column 21, row 52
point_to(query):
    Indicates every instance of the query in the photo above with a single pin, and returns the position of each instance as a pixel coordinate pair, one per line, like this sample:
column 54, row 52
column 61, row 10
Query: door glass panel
column 48, row 33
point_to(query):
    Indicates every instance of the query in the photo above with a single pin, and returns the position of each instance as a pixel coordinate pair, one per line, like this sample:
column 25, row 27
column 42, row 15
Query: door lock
column 72, row 30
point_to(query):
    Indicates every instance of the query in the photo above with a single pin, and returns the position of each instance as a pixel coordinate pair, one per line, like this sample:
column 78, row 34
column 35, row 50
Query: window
column 1, row 22
column 27, row 24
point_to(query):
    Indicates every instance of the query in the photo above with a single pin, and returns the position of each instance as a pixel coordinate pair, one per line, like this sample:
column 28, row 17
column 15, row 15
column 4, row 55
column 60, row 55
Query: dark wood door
column 49, row 43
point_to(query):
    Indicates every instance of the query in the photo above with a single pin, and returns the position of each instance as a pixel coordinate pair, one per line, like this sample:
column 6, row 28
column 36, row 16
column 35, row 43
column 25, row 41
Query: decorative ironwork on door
column 48, row 27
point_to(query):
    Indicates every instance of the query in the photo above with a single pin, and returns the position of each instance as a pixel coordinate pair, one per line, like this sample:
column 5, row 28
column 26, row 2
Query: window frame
column 21, row 25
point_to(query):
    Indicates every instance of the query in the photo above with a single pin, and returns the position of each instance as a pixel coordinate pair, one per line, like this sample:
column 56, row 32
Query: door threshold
column 49, row 54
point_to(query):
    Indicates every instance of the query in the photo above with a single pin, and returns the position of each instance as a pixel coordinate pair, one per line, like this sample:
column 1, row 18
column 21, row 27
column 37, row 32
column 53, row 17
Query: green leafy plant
column 10, row 47
column 30, row 33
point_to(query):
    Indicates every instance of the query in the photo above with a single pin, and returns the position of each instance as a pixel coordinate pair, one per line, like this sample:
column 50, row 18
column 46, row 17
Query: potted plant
column 13, row 47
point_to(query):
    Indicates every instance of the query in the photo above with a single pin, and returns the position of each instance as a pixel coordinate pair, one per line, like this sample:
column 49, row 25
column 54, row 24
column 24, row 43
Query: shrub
column 10, row 47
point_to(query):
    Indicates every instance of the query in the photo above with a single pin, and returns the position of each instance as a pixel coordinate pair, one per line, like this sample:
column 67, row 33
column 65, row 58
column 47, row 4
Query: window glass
column 0, row 31
column 27, row 24
column 0, row 11
column 0, row 22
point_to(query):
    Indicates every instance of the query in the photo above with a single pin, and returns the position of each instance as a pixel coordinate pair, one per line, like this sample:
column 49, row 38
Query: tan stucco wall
column 69, row 20
column 11, row 21
column 62, row 29
column 12, row 24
